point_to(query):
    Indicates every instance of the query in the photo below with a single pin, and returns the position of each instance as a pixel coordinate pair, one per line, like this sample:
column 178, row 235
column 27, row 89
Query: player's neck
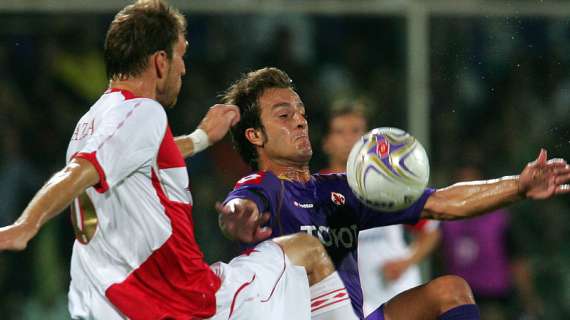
column 290, row 172
column 140, row 87
column 336, row 167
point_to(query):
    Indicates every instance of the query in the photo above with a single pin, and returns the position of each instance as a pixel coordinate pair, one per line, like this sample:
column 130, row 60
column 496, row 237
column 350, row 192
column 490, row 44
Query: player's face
column 344, row 131
column 287, row 134
column 176, row 70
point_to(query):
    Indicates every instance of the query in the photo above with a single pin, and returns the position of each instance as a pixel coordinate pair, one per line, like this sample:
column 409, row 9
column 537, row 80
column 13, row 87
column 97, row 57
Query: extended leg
column 447, row 297
column 307, row 251
column 329, row 298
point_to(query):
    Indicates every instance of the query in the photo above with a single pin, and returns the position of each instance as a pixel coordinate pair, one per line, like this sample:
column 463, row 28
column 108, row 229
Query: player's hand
column 241, row 220
column 219, row 119
column 15, row 237
column 393, row 270
column 542, row 178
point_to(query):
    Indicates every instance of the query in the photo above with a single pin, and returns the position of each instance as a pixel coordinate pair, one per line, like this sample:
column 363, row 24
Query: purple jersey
column 326, row 208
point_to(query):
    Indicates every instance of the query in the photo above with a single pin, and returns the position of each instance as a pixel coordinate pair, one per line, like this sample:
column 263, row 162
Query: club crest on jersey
column 337, row 198
column 382, row 148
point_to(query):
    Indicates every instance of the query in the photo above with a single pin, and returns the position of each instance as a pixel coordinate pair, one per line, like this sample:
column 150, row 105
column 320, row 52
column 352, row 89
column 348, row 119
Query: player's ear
column 160, row 63
column 254, row 136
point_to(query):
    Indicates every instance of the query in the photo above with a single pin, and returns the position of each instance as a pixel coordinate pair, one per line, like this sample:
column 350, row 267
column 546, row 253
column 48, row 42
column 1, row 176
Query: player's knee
column 450, row 291
column 314, row 257
column 312, row 244
column 313, row 249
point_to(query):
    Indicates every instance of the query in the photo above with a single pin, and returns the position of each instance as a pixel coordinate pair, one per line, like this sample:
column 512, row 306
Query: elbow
column 444, row 210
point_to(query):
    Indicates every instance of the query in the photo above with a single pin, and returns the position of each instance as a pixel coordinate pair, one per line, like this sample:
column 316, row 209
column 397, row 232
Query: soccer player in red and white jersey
column 387, row 264
column 136, row 255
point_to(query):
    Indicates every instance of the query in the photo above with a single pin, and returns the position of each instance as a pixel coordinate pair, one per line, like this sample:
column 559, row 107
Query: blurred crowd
column 500, row 90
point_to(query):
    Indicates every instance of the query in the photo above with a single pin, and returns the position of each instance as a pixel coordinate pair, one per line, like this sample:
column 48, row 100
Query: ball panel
column 388, row 169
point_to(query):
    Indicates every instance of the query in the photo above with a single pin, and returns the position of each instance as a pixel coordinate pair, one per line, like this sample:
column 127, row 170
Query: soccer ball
column 387, row 169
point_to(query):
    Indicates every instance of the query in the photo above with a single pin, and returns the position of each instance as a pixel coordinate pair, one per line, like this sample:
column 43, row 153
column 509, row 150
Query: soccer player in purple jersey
column 282, row 197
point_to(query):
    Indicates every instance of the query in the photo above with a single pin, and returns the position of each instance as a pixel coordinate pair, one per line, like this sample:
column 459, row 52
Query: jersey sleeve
column 424, row 225
column 128, row 138
column 370, row 218
column 253, row 187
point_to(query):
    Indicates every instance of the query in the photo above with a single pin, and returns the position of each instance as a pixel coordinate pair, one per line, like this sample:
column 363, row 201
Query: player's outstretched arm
column 540, row 179
column 219, row 119
column 52, row 198
column 240, row 219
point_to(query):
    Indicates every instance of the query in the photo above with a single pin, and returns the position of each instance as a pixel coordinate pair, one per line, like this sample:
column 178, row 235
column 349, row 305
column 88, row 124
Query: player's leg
column 329, row 298
column 307, row 251
column 445, row 298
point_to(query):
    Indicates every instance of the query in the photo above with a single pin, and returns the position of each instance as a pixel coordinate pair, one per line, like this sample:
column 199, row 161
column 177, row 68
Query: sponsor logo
column 303, row 205
column 338, row 198
column 345, row 237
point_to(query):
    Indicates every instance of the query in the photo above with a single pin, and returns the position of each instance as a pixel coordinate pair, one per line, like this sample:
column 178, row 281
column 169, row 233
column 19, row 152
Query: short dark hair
column 138, row 31
column 347, row 106
column 245, row 94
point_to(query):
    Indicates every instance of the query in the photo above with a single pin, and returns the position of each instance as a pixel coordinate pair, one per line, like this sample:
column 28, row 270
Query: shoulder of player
column 142, row 108
column 329, row 177
column 257, row 179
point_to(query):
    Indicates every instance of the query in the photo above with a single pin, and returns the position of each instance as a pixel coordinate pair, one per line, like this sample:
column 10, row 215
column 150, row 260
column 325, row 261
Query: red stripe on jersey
column 236, row 294
column 126, row 93
column 328, row 293
column 278, row 279
column 169, row 155
column 102, row 186
column 254, row 178
column 328, row 299
column 329, row 304
column 421, row 225
column 174, row 282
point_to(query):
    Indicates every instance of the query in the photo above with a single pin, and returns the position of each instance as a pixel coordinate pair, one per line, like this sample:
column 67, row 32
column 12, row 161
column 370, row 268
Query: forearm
column 192, row 143
column 467, row 199
column 185, row 145
column 50, row 200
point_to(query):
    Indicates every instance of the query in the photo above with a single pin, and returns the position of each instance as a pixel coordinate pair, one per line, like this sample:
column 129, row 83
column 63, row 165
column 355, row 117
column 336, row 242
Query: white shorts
column 259, row 284
column 262, row 284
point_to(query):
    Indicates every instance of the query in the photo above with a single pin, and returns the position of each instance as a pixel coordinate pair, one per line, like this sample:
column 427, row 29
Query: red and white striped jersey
column 135, row 242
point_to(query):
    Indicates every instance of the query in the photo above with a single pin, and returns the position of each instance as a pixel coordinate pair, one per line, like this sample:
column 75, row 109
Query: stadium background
column 483, row 80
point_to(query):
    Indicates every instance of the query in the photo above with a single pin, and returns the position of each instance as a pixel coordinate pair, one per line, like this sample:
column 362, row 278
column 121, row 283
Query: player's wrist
column 200, row 140
column 521, row 192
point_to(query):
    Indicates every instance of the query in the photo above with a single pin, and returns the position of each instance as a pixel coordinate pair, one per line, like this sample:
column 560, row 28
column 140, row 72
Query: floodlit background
column 476, row 81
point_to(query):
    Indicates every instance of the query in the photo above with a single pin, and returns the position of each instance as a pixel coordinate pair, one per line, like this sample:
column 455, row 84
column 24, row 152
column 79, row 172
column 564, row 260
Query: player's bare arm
column 240, row 219
column 540, row 179
column 52, row 198
column 213, row 127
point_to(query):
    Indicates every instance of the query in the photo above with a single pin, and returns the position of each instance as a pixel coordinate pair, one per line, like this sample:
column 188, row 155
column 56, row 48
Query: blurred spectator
column 482, row 251
column 387, row 263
